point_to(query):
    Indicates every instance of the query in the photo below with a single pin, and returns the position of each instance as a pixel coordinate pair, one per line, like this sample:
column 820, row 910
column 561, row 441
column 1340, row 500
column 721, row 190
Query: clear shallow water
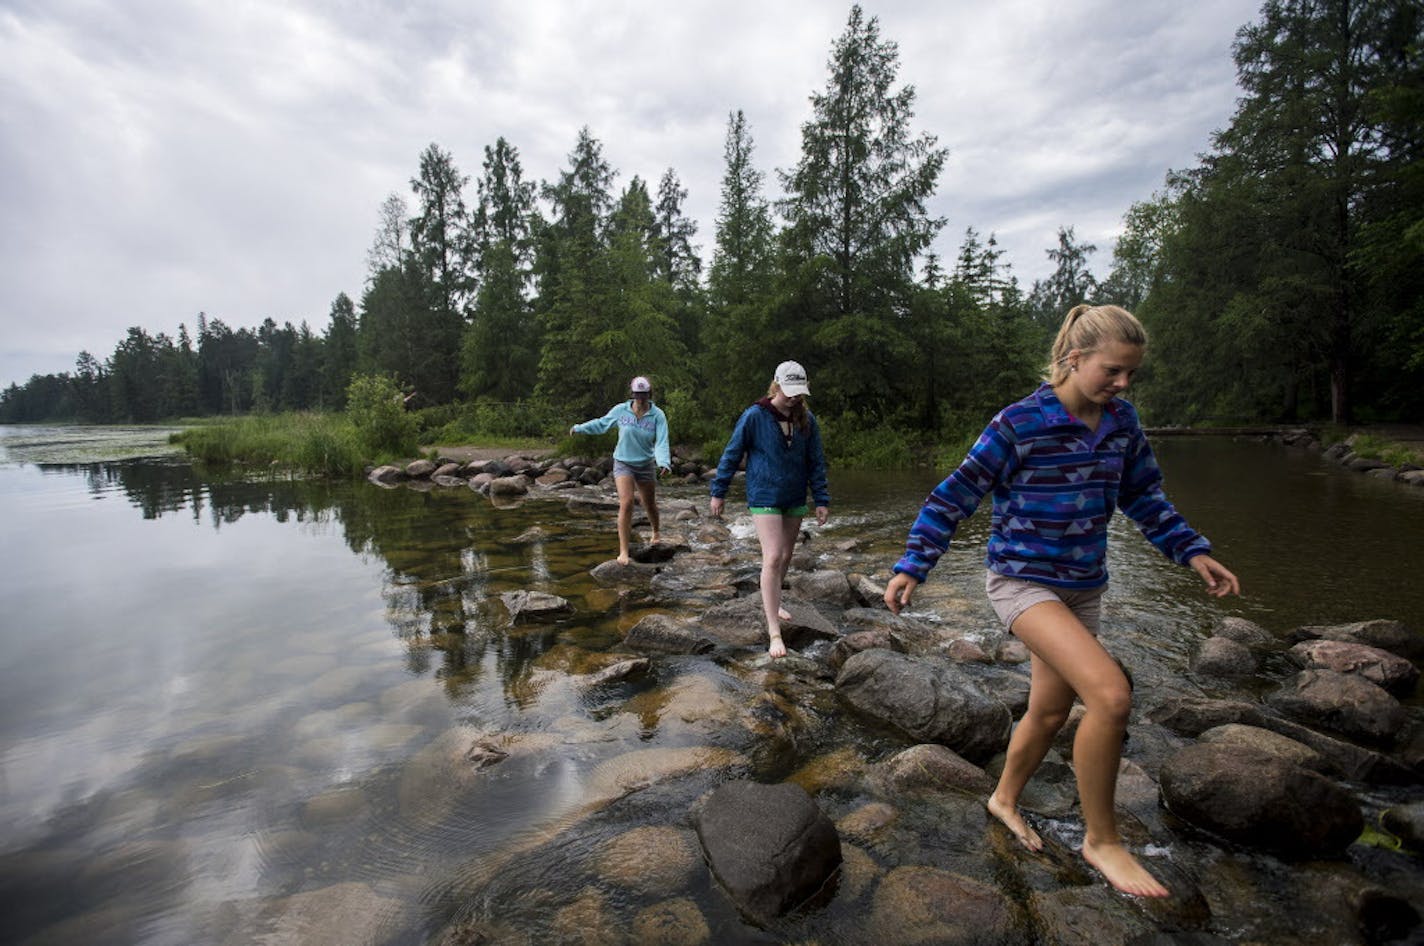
column 217, row 697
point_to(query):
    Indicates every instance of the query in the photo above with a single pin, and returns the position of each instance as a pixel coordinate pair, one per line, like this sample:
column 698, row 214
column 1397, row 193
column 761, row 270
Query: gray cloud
column 166, row 158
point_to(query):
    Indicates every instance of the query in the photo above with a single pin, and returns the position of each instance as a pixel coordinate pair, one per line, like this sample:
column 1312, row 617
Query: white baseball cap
column 791, row 378
column 640, row 385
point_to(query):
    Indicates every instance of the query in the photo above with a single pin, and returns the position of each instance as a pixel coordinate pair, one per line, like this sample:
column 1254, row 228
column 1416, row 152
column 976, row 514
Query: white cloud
column 166, row 157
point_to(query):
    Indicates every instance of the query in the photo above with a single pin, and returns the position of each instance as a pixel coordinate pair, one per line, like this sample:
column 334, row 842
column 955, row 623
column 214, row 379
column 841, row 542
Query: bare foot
column 1009, row 815
column 783, row 614
column 1122, row 870
column 655, row 539
column 623, row 559
column 777, row 649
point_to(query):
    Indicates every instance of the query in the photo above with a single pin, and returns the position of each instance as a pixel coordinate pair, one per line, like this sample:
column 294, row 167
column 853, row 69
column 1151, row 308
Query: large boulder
column 509, row 486
column 1344, row 703
column 1259, row 800
column 1378, row 666
column 1265, row 742
column 420, row 469
column 929, row 701
column 769, row 846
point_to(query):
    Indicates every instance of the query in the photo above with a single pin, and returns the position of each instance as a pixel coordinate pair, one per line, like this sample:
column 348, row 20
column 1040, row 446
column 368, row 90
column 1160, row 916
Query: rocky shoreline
column 1285, row 810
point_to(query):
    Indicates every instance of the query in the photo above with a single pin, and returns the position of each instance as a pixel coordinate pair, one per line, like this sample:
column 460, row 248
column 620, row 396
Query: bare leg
column 1049, row 701
column 776, row 550
column 647, row 492
column 1064, row 648
column 790, row 532
column 625, row 516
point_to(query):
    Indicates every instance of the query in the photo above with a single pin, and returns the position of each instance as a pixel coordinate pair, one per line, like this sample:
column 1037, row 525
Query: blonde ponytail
column 1086, row 328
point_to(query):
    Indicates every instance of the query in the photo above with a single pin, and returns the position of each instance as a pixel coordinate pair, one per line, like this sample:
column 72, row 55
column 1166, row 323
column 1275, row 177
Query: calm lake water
column 218, row 698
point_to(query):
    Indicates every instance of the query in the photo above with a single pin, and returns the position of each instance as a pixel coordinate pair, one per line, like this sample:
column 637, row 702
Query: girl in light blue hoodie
column 642, row 453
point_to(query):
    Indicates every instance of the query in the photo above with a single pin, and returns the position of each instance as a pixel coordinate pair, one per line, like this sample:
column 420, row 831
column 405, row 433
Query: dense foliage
column 1281, row 279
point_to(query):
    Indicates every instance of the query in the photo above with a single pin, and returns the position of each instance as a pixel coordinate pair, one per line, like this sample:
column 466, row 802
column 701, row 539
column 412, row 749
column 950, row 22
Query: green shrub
column 321, row 444
column 383, row 428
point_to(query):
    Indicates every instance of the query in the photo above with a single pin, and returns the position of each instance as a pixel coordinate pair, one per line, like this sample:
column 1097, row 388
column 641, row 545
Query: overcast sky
column 162, row 158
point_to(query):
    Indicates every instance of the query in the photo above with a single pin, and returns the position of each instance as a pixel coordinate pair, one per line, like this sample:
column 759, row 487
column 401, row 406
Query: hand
column 821, row 514
column 898, row 592
column 1219, row 580
column 714, row 506
column 664, row 471
column 573, row 429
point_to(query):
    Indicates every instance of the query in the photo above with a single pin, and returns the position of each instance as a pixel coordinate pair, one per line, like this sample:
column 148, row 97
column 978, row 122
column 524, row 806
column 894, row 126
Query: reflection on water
column 219, row 698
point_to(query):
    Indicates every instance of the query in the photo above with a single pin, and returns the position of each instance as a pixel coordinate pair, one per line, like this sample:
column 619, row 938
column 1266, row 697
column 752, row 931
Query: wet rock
column 1388, row 635
column 420, row 469
column 676, row 922
column 769, row 846
column 553, row 478
column 589, row 921
column 634, row 771
column 964, row 651
column 869, row 821
column 1245, row 632
column 533, row 605
column 824, row 587
column 338, row 915
column 337, row 806
column 925, row 905
column 592, row 502
column 930, row 701
column 449, row 469
column 1380, row 667
column 530, row 536
column 866, row 593
column 1265, row 742
column 1346, row 759
column 1192, row 716
column 509, row 486
column 662, row 634
column 1224, row 657
column 1343, row 703
column 386, row 474
column 1260, row 801
column 612, row 573
column 930, row 767
column 907, row 629
column 741, row 622
column 653, row 554
column 1405, row 822
column 1012, row 651
column 851, row 644
column 651, row 860
column 622, row 670
column 1075, row 915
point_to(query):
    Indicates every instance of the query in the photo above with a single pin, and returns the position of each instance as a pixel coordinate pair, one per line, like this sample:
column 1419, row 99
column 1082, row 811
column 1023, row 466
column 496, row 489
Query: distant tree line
column 1280, row 279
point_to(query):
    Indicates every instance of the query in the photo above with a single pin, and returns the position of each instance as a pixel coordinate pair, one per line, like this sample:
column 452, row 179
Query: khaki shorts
column 1011, row 597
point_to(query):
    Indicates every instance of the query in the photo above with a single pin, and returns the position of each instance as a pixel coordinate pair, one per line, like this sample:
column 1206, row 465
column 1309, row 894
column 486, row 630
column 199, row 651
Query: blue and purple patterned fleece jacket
column 1055, row 485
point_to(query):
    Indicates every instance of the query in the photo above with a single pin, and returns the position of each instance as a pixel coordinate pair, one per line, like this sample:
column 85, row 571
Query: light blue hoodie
column 640, row 439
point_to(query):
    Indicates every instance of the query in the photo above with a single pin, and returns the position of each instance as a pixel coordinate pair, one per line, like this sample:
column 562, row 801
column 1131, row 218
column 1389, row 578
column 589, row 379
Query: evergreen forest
column 1281, row 278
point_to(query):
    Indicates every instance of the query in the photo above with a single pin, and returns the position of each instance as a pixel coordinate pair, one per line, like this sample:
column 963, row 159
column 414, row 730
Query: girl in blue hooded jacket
column 781, row 442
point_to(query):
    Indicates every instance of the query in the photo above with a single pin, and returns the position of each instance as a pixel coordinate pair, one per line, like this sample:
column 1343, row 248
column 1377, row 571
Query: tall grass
column 317, row 444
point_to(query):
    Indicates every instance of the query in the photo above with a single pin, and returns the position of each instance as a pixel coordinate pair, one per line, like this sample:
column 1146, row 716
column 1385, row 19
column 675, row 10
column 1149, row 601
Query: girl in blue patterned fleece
column 1057, row 464
column 642, row 452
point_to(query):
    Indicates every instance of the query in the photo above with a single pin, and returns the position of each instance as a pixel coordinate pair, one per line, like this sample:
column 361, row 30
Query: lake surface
column 218, row 698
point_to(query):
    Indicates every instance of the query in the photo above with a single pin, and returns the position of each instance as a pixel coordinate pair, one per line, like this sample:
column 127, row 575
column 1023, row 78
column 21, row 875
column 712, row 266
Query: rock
column 622, row 670
column 448, row 481
column 1245, row 632
column 652, row 554
column 651, row 860
column 1075, row 915
column 931, row 767
column 553, row 477
column 1192, row 716
column 660, row 633
column 1380, row 667
column 386, row 474
column 612, row 573
column 741, row 622
column 1265, row 742
column 1260, row 801
column 339, row 915
column 1388, row 635
column 1405, row 822
column 824, row 586
column 447, row 468
column 1012, row 651
column 963, row 651
column 866, row 593
column 533, row 605
column 592, row 502
column 930, row 701
column 509, row 486
column 420, row 469
column 1342, row 703
column 1224, row 657
column 1412, row 477
column 925, row 905
column 530, row 535
column 769, row 846
column 676, row 922
column 852, row 644
column 907, row 629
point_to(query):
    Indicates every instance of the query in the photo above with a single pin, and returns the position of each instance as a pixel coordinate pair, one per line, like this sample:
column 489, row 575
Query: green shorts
column 798, row 511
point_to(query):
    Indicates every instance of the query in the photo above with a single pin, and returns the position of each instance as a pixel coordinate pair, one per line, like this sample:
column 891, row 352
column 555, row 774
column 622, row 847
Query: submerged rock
column 926, row 905
column 658, row 632
column 532, row 605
